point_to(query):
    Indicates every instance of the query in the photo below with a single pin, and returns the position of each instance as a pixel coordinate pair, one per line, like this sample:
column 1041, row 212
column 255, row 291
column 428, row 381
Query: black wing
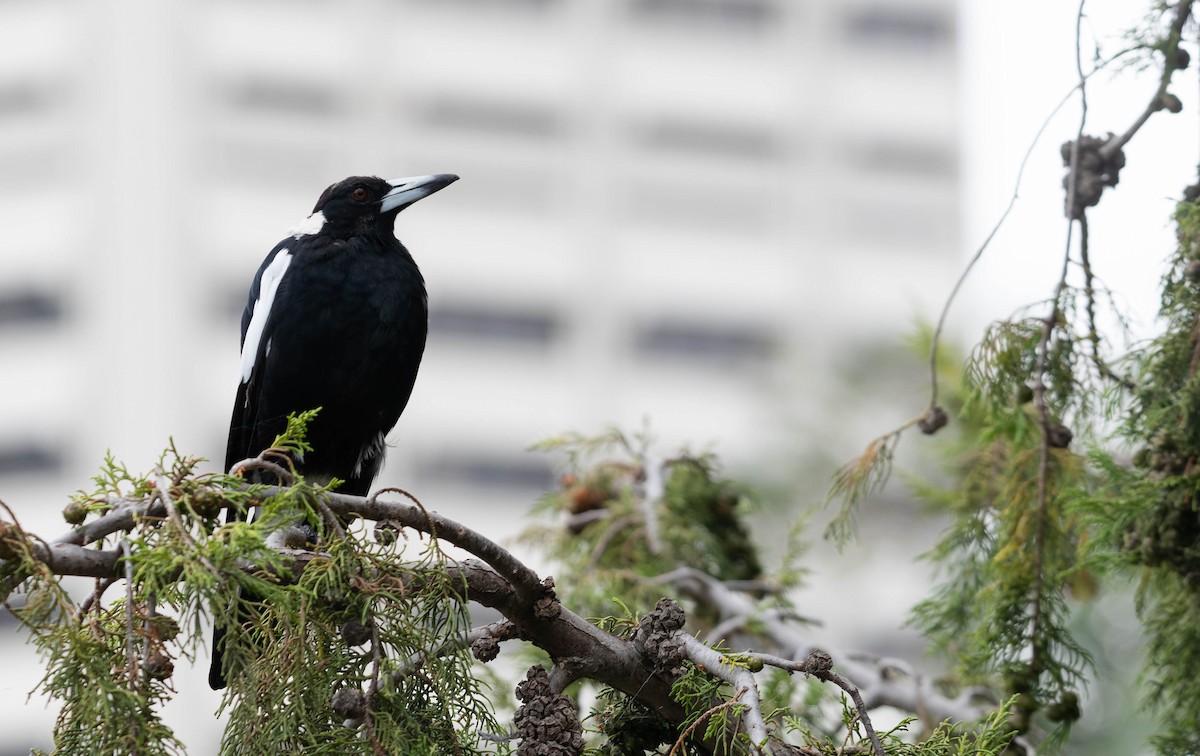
column 245, row 434
column 244, row 426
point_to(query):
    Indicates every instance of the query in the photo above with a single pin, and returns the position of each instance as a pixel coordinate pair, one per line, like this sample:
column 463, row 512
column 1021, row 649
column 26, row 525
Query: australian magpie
column 337, row 319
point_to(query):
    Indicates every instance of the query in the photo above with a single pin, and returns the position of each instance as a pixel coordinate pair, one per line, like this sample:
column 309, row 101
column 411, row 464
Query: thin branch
column 819, row 664
column 499, row 631
column 1159, row 101
column 124, row 514
column 1093, row 334
column 1043, row 358
column 612, row 531
column 883, row 682
column 649, row 488
column 1012, row 201
column 281, row 473
column 742, row 680
column 93, row 599
column 704, row 717
column 372, row 688
column 130, row 634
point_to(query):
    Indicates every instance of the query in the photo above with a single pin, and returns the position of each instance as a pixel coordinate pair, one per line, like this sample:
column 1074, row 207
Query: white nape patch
column 267, row 286
column 309, row 226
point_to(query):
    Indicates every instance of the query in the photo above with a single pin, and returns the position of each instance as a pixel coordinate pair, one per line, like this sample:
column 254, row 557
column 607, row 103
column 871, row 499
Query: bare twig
column 1093, row 335
column 372, row 688
column 281, row 473
column 742, row 680
column 331, row 520
column 499, row 631
column 1043, row 358
column 649, row 488
column 704, row 717
column 1012, row 201
column 93, row 599
column 612, row 531
column 819, row 664
column 1159, row 101
column 883, row 682
column 131, row 664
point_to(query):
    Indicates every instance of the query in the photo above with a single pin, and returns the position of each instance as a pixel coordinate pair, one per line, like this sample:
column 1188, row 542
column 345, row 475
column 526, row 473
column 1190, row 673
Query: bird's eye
column 359, row 193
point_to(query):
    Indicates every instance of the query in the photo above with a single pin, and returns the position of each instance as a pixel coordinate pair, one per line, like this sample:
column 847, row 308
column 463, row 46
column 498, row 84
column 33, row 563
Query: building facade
column 684, row 212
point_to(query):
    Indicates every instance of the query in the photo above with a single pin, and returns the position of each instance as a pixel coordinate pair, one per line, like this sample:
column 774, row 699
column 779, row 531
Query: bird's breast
column 364, row 317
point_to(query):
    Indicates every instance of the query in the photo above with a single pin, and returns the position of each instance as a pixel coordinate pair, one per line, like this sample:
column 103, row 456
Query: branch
column 743, row 682
column 1161, row 100
column 819, row 664
column 1074, row 214
column 497, row 579
column 1012, row 201
column 882, row 681
column 501, row 581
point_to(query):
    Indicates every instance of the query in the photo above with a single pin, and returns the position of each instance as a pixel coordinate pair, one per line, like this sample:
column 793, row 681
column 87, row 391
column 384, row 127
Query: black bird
column 337, row 319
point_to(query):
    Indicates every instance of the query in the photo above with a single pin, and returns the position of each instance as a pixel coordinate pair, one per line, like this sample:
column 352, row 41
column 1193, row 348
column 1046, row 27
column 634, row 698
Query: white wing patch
column 309, row 226
column 267, row 287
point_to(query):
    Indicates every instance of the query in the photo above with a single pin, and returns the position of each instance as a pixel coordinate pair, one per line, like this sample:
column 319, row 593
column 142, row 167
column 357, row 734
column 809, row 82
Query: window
column 524, row 472
column 30, row 306
column 537, row 6
column 744, row 15
column 281, row 96
column 501, row 186
column 930, row 226
column 910, row 157
column 24, row 98
column 707, row 138
column 733, row 343
column 29, row 458
column 484, row 324
column 899, row 26
column 495, row 116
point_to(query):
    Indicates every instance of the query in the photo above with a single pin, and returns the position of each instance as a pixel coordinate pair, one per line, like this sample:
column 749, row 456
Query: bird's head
column 361, row 204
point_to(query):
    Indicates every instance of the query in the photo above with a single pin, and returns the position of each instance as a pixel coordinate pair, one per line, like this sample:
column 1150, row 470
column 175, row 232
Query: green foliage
column 606, row 551
column 294, row 438
column 1147, row 518
column 611, row 540
column 109, row 702
column 360, row 618
column 1012, row 550
column 711, row 707
column 857, row 481
column 991, row 736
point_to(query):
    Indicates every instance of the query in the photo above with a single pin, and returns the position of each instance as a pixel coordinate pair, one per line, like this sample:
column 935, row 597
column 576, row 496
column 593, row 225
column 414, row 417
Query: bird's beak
column 406, row 191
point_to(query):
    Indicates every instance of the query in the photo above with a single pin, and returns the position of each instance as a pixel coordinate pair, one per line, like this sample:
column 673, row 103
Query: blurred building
column 682, row 210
